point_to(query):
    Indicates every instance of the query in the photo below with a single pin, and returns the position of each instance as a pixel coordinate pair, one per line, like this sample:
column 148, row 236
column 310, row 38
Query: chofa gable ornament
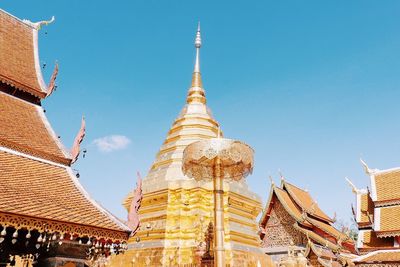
column 133, row 215
column 77, row 142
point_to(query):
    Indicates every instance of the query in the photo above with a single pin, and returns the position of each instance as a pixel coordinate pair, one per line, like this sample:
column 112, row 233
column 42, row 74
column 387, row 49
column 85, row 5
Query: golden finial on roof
column 196, row 91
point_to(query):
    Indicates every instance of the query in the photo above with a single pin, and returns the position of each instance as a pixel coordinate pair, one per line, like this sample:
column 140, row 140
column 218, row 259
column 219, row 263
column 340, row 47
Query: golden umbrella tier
column 236, row 159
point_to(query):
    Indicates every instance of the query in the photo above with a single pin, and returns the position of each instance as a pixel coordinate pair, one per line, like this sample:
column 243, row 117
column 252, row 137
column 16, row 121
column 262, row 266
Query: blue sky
column 310, row 85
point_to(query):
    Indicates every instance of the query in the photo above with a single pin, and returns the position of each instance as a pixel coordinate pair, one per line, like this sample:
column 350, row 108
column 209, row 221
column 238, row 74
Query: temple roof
column 319, row 230
column 386, row 221
column 383, row 184
column 290, row 206
column 39, row 189
column 365, row 210
column 367, row 240
column 24, row 128
column 19, row 57
column 305, row 201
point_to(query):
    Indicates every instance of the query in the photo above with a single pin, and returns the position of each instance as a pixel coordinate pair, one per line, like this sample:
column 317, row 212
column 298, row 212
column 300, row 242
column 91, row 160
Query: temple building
column 377, row 214
column 176, row 210
column 46, row 216
column 293, row 222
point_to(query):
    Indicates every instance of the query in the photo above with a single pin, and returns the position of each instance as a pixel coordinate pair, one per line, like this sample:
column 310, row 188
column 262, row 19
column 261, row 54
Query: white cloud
column 112, row 142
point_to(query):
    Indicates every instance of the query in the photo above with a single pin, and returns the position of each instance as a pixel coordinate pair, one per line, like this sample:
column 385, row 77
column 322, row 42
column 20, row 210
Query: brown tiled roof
column 386, row 183
column 23, row 128
column 366, row 207
column 371, row 241
column 305, row 201
column 388, row 220
column 37, row 189
column 17, row 55
column 380, row 256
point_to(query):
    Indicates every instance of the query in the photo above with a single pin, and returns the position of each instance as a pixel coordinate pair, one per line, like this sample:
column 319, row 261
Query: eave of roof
column 22, row 196
column 379, row 256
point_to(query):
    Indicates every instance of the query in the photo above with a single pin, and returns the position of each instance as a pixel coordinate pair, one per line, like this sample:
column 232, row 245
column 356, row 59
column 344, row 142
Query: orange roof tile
column 305, row 201
column 369, row 240
column 24, row 127
column 19, row 64
column 380, row 256
column 38, row 189
column 387, row 221
column 365, row 209
column 384, row 184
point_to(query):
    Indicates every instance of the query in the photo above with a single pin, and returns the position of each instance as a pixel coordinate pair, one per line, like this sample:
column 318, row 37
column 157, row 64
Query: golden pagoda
column 176, row 210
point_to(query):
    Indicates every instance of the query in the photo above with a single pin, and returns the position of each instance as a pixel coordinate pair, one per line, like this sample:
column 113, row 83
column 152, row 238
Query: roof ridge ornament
column 353, row 187
column 366, row 168
column 52, row 84
column 133, row 215
column 38, row 25
column 75, row 151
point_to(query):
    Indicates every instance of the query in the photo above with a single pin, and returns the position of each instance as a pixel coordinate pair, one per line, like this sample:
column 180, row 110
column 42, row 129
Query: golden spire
column 196, row 91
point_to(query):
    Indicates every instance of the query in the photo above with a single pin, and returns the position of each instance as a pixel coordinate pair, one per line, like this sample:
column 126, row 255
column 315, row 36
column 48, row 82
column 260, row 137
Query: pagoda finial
column 197, row 44
column 196, row 77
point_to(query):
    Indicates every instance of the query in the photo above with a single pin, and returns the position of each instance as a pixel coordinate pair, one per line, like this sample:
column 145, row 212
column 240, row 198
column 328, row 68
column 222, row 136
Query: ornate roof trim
column 263, row 218
column 41, row 224
column 39, row 74
column 365, row 257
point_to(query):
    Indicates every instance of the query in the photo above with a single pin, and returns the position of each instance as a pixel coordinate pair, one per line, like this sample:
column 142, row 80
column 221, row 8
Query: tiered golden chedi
column 176, row 210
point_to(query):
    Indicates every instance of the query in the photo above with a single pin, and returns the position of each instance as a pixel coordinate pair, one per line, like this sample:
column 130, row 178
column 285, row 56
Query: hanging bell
column 4, row 232
column 54, row 237
column 40, row 238
column 28, row 235
column 15, row 234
